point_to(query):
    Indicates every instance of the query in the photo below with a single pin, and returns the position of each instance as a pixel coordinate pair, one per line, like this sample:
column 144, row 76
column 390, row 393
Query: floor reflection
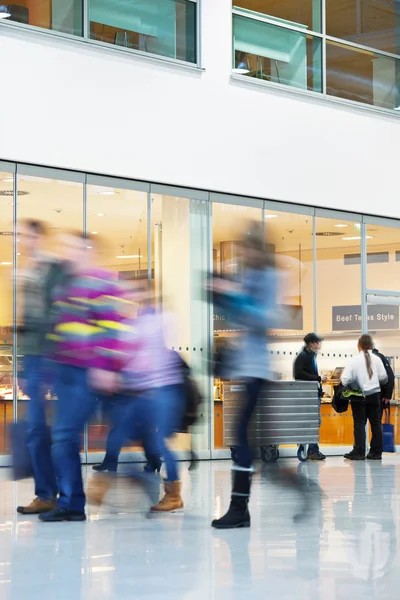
column 320, row 531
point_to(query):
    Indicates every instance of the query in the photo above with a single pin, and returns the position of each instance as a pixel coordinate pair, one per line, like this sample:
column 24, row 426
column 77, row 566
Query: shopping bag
column 21, row 460
column 388, row 433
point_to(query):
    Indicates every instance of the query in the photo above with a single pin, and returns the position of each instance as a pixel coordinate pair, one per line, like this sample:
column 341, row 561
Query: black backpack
column 193, row 397
column 340, row 404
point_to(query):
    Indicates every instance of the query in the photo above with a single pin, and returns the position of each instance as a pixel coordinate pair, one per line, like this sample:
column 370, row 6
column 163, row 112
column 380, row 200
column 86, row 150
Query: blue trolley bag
column 388, row 433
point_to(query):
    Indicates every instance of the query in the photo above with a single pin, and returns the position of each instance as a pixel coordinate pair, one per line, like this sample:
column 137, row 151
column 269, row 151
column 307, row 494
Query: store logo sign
column 380, row 316
column 286, row 317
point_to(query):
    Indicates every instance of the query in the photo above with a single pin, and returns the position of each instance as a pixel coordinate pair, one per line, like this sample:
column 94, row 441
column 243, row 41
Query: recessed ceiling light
column 100, row 214
column 93, row 232
column 107, row 193
column 18, row 253
column 89, row 247
column 8, row 180
column 357, row 237
column 5, row 263
column 340, row 225
column 129, row 256
column 271, row 216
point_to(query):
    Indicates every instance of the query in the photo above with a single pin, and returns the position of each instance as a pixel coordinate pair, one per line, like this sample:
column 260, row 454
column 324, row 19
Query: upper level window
column 163, row 27
column 372, row 23
column 305, row 13
column 353, row 55
column 274, row 53
column 64, row 16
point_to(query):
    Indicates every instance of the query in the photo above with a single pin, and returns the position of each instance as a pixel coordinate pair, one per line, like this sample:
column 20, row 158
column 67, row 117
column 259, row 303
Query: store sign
column 223, row 321
column 380, row 316
column 286, row 317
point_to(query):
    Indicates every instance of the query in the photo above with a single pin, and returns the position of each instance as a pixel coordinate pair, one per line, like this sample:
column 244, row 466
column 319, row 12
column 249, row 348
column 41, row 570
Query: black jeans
column 253, row 388
column 363, row 410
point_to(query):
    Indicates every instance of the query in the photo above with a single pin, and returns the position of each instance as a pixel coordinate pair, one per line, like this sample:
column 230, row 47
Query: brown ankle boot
column 98, row 488
column 37, row 507
column 172, row 499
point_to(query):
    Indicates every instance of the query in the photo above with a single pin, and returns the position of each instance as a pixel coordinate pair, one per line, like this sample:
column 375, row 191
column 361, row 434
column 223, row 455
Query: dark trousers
column 76, row 402
column 368, row 409
column 137, row 421
column 253, row 388
column 38, row 440
column 113, row 411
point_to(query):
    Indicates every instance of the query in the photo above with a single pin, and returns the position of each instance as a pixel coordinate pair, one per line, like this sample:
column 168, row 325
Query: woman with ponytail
column 365, row 373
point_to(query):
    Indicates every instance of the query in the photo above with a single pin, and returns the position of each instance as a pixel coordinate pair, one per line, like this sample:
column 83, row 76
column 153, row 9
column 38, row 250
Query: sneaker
column 316, row 456
column 37, row 507
column 62, row 514
column 354, row 455
column 374, row 456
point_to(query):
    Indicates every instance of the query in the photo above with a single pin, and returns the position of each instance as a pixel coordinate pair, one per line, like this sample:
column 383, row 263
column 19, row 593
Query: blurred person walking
column 251, row 303
column 38, row 280
column 152, row 379
column 365, row 374
column 87, row 323
column 305, row 368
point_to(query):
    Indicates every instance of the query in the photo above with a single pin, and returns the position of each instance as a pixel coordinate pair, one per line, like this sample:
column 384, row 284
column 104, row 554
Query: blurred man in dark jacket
column 38, row 278
column 305, row 368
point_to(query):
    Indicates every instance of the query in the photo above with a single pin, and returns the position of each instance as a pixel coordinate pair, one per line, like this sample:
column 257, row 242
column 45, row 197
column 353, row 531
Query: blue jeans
column 76, row 402
column 170, row 408
column 38, row 438
column 135, row 420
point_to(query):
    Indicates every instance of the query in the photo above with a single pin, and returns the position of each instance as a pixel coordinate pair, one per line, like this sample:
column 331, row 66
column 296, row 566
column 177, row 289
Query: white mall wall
column 67, row 105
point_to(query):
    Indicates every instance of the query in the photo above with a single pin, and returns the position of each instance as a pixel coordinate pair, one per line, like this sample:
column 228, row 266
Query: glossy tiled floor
column 345, row 547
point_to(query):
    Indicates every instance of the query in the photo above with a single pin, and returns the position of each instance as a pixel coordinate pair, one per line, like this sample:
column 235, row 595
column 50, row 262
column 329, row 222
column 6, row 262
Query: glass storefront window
column 160, row 235
column 163, row 27
column 179, row 249
column 383, row 274
column 362, row 76
column 228, row 225
column 272, row 53
column 338, row 281
column 291, row 236
column 297, row 12
column 64, row 16
column 117, row 241
column 6, row 307
column 59, row 204
column 372, row 24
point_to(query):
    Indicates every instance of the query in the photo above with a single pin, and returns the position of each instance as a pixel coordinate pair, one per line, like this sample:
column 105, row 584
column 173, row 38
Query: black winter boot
column 238, row 514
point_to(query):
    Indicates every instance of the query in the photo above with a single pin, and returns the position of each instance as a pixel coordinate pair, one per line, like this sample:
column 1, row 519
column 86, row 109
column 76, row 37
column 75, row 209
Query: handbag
column 21, row 459
column 340, row 403
column 388, row 433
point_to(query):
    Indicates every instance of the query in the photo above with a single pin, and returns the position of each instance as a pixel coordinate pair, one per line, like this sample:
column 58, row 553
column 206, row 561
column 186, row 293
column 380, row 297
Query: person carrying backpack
column 387, row 388
column 366, row 373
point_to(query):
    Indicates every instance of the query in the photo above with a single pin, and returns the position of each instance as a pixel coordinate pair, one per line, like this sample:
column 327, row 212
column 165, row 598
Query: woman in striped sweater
column 87, row 323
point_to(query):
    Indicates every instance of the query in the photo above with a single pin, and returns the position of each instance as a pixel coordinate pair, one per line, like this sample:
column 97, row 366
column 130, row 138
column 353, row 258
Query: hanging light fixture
column 4, row 12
